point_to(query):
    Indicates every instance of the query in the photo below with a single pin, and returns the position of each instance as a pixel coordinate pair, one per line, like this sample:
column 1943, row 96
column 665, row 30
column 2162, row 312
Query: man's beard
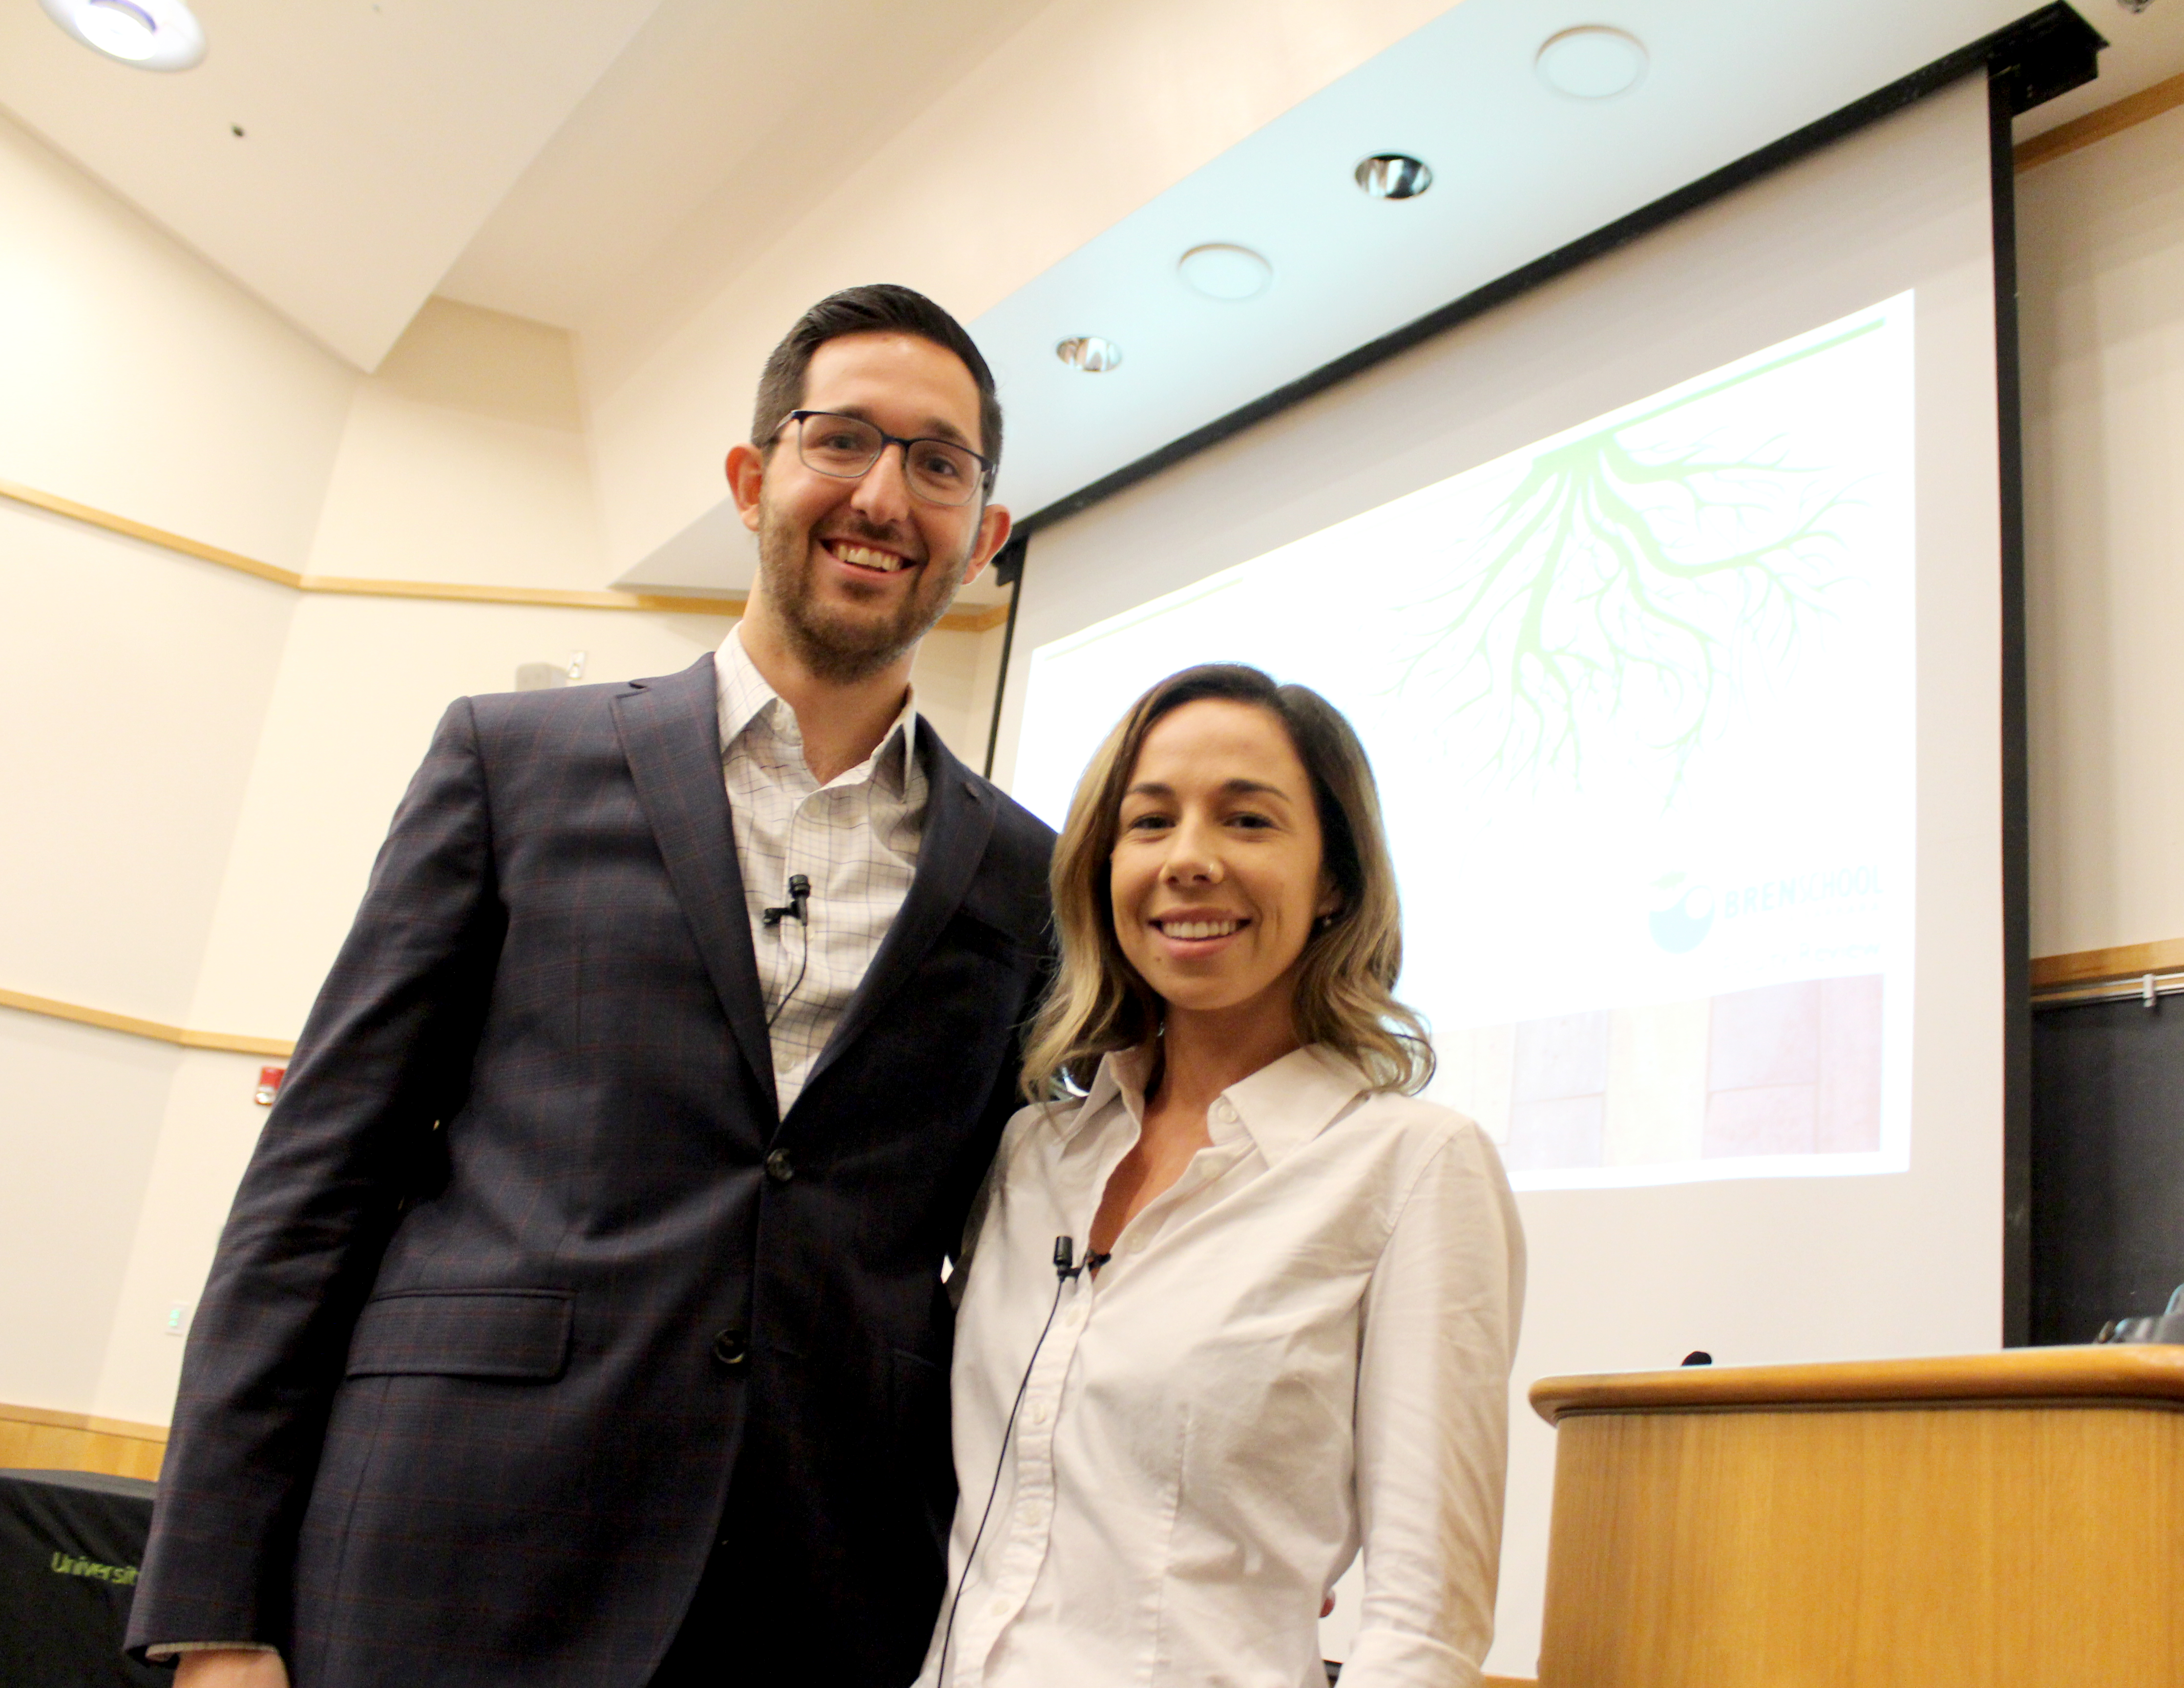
column 844, row 650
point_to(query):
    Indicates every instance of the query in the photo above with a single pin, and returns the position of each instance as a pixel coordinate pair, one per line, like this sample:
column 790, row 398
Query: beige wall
column 79, row 1117
column 2101, row 238
column 139, row 380
column 464, row 459
column 135, row 685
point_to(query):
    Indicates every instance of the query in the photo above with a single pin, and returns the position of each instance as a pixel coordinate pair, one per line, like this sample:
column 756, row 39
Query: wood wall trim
column 552, row 597
column 980, row 619
column 158, row 1030
column 54, row 504
column 2127, row 112
column 2103, row 966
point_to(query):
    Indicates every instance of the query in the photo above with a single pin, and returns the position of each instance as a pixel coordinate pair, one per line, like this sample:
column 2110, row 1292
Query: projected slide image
column 1790, row 1069
column 1641, row 698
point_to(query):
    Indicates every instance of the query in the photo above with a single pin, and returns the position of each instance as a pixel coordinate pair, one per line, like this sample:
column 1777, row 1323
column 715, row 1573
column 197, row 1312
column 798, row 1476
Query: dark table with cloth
column 71, row 1543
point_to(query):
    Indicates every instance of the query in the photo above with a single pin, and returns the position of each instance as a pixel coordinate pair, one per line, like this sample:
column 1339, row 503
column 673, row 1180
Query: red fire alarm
column 269, row 1085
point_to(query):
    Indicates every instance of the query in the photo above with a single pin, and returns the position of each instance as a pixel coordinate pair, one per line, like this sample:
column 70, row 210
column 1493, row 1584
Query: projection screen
column 1668, row 599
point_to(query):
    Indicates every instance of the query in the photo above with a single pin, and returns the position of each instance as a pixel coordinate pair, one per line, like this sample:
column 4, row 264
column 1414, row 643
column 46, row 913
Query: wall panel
column 2100, row 235
column 79, row 1111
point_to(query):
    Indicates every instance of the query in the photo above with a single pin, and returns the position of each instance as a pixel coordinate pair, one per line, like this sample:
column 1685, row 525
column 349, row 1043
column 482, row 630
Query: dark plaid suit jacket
column 524, row 1270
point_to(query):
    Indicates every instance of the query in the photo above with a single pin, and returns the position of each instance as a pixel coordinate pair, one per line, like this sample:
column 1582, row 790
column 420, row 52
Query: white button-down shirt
column 1301, row 1346
column 855, row 837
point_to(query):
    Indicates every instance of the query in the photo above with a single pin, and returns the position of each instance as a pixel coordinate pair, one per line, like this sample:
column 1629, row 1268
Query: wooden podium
column 2012, row 1520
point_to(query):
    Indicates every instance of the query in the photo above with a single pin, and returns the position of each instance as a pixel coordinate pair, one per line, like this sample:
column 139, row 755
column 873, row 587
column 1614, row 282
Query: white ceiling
column 721, row 120
column 536, row 156
column 378, row 135
column 526, row 155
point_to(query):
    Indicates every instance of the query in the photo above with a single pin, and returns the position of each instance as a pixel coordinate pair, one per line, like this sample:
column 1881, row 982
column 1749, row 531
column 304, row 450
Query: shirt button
column 730, row 1346
column 1040, row 1413
column 1135, row 1243
column 1223, row 1111
column 779, row 1167
column 1000, row 1608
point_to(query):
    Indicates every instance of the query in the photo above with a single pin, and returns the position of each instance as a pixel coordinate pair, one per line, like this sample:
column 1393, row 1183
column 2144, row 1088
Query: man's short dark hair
column 881, row 308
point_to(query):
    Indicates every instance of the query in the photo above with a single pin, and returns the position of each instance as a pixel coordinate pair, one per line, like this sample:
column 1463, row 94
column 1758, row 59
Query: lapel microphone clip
column 1066, row 1263
column 799, row 894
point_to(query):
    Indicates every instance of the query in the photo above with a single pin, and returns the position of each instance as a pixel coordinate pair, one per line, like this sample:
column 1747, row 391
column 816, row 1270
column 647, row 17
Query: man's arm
column 1002, row 1104
column 383, row 1058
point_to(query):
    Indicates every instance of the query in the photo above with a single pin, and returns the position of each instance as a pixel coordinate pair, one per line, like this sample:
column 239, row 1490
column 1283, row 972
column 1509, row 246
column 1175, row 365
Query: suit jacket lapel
column 959, row 818
column 671, row 732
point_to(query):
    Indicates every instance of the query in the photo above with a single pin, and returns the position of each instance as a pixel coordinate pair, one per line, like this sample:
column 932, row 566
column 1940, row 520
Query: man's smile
column 859, row 554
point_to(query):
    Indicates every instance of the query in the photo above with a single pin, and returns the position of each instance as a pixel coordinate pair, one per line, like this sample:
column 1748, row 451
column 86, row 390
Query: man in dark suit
column 580, row 1320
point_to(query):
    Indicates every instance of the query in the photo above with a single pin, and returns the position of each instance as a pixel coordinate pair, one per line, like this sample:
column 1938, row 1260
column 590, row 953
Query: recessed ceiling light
column 1225, row 272
column 1592, row 62
column 1393, row 175
column 1089, row 352
column 152, row 35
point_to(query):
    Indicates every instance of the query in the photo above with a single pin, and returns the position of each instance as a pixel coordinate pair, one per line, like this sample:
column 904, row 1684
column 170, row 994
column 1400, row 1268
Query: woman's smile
column 1197, row 931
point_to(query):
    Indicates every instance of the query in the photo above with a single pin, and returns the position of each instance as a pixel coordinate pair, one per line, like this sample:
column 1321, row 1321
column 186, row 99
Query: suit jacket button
column 729, row 1348
column 779, row 1167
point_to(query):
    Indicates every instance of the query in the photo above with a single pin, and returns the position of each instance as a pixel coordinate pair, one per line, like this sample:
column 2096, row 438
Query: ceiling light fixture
column 1220, row 271
column 152, row 35
column 1089, row 352
column 1591, row 62
column 1393, row 175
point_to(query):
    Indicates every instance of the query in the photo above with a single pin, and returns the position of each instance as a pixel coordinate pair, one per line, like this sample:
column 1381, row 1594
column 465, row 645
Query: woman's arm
column 1440, row 1321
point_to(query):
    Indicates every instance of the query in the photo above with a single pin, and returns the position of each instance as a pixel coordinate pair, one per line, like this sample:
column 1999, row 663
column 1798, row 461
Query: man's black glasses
column 937, row 470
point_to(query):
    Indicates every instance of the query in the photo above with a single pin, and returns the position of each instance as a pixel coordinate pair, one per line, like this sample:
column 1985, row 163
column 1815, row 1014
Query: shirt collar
column 1120, row 1077
column 1287, row 1103
column 745, row 696
column 1283, row 1107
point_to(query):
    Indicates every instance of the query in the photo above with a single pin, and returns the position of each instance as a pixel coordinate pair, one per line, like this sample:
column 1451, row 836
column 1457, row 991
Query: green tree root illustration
column 1615, row 575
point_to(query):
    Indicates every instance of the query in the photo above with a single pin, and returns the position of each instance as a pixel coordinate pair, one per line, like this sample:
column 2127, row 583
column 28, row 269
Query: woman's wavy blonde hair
column 1099, row 1003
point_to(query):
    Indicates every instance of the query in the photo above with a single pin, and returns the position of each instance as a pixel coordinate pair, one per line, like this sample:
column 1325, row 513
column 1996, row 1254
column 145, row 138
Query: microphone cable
column 799, row 909
column 1065, row 1252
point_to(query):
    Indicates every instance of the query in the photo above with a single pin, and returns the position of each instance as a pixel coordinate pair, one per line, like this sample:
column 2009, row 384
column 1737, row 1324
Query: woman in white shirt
column 1247, row 1306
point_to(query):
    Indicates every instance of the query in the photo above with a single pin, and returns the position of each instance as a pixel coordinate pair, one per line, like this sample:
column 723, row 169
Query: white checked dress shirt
column 855, row 837
column 1302, row 1344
